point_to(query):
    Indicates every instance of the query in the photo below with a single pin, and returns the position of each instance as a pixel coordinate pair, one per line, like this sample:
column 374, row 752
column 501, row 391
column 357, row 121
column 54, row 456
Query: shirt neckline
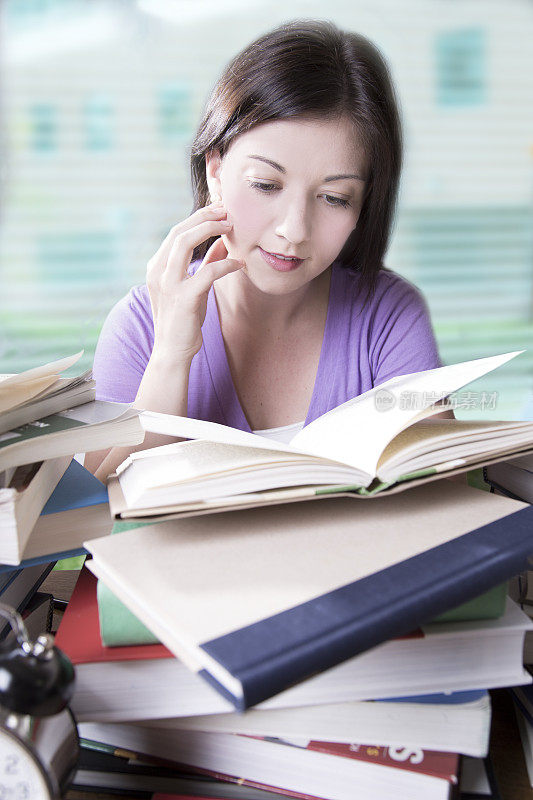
column 280, row 428
column 218, row 364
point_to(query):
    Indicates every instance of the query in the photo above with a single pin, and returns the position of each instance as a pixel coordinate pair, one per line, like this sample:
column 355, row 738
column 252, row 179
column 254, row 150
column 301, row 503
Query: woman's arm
column 178, row 302
column 163, row 388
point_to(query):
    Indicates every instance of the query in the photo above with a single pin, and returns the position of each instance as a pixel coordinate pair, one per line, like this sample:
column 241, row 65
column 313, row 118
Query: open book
column 372, row 443
column 39, row 392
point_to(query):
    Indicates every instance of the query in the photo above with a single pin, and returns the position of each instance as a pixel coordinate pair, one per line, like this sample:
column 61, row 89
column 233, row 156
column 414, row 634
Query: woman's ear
column 213, row 164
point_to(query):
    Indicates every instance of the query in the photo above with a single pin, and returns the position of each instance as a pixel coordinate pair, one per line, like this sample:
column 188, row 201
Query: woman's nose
column 294, row 221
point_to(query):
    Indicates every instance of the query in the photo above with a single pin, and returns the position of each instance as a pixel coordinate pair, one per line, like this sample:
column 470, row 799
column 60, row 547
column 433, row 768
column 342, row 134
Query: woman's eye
column 336, row 201
column 330, row 199
column 263, row 187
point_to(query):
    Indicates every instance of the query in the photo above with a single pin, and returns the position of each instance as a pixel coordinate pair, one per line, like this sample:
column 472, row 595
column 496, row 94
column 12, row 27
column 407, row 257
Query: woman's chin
column 268, row 283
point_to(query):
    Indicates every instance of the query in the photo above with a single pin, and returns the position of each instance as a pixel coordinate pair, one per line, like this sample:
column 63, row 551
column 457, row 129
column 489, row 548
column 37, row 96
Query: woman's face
column 292, row 188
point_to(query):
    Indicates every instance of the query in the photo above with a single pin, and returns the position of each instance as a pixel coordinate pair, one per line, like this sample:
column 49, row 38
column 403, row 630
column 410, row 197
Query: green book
column 118, row 626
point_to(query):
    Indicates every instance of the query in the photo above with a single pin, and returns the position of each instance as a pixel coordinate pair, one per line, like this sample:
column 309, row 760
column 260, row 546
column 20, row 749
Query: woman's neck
column 238, row 299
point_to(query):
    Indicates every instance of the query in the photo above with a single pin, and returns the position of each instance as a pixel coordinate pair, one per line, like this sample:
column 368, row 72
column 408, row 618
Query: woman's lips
column 280, row 264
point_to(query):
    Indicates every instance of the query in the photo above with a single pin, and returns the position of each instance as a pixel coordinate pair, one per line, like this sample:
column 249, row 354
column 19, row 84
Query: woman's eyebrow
column 284, row 171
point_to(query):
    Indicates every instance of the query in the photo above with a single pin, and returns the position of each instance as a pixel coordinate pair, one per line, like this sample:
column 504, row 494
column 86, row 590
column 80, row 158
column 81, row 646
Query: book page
column 173, row 425
column 439, row 442
column 22, row 387
column 23, row 392
column 357, row 432
column 427, row 434
column 197, row 460
column 47, row 370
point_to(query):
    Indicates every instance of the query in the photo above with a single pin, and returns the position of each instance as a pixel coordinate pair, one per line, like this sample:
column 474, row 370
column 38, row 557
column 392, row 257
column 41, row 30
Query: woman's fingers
column 216, row 252
column 211, row 272
column 209, row 213
column 179, row 305
column 215, row 264
column 182, row 248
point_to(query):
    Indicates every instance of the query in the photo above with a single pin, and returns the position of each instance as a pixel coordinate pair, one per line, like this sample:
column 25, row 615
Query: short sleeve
column 124, row 347
column 402, row 336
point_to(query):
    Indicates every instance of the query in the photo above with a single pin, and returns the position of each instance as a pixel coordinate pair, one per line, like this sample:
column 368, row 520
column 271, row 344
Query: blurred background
column 99, row 101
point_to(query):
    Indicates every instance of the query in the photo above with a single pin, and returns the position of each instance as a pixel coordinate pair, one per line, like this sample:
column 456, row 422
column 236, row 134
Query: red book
column 78, row 634
column 428, row 762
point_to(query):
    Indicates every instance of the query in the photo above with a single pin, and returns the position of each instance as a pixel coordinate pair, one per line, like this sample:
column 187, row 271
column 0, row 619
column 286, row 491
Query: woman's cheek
column 248, row 219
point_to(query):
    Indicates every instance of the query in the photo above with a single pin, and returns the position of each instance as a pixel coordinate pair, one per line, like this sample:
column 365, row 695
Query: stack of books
column 142, row 700
column 44, row 418
column 514, row 478
column 332, row 648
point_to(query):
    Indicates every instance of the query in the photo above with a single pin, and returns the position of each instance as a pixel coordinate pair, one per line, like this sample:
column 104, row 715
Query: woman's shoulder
column 124, row 346
column 130, row 321
column 388, row 278
column 136, row 298
column 133, row 306
column 390, row 288
column 395, row 288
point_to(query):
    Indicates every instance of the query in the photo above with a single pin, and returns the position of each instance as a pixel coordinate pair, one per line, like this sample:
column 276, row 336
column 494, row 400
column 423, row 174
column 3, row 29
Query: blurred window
column 461, row 67
column 100, row 100
column 98, row 122
column 174, row 112
column 43, row 127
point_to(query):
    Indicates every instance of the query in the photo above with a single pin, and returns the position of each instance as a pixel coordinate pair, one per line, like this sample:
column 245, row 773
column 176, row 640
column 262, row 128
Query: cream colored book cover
column 229, row 593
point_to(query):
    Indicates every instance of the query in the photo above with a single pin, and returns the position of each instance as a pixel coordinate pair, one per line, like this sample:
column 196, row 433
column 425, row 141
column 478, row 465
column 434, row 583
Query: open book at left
column 40, row 391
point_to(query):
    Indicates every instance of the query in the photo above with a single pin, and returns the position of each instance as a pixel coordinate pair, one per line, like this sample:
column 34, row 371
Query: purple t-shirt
column 363, row 346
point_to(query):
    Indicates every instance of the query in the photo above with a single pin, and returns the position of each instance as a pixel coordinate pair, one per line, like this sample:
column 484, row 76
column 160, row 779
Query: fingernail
column 226, row 222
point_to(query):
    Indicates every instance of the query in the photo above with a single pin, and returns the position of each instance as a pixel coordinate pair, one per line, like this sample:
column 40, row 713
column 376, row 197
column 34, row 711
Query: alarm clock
column 39, row 743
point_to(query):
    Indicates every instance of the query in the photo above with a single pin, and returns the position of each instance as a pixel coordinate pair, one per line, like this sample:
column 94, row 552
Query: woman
column 270, row 304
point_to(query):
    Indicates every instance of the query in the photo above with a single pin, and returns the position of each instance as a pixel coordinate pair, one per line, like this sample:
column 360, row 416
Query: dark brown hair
column 312, row 69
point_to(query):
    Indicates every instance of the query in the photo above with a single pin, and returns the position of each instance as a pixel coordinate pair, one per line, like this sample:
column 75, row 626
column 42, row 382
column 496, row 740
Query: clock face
column 21, row 777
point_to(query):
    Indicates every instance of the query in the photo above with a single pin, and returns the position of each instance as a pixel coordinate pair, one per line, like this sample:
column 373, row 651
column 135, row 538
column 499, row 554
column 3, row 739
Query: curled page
column 47, row 370
column 173, row 425
column 357, row 432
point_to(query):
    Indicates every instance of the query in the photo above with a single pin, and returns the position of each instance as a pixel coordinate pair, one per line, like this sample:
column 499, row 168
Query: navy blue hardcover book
column 258, row 600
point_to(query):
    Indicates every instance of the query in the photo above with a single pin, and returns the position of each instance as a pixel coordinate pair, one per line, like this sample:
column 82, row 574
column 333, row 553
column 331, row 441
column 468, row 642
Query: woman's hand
column 179, row 301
